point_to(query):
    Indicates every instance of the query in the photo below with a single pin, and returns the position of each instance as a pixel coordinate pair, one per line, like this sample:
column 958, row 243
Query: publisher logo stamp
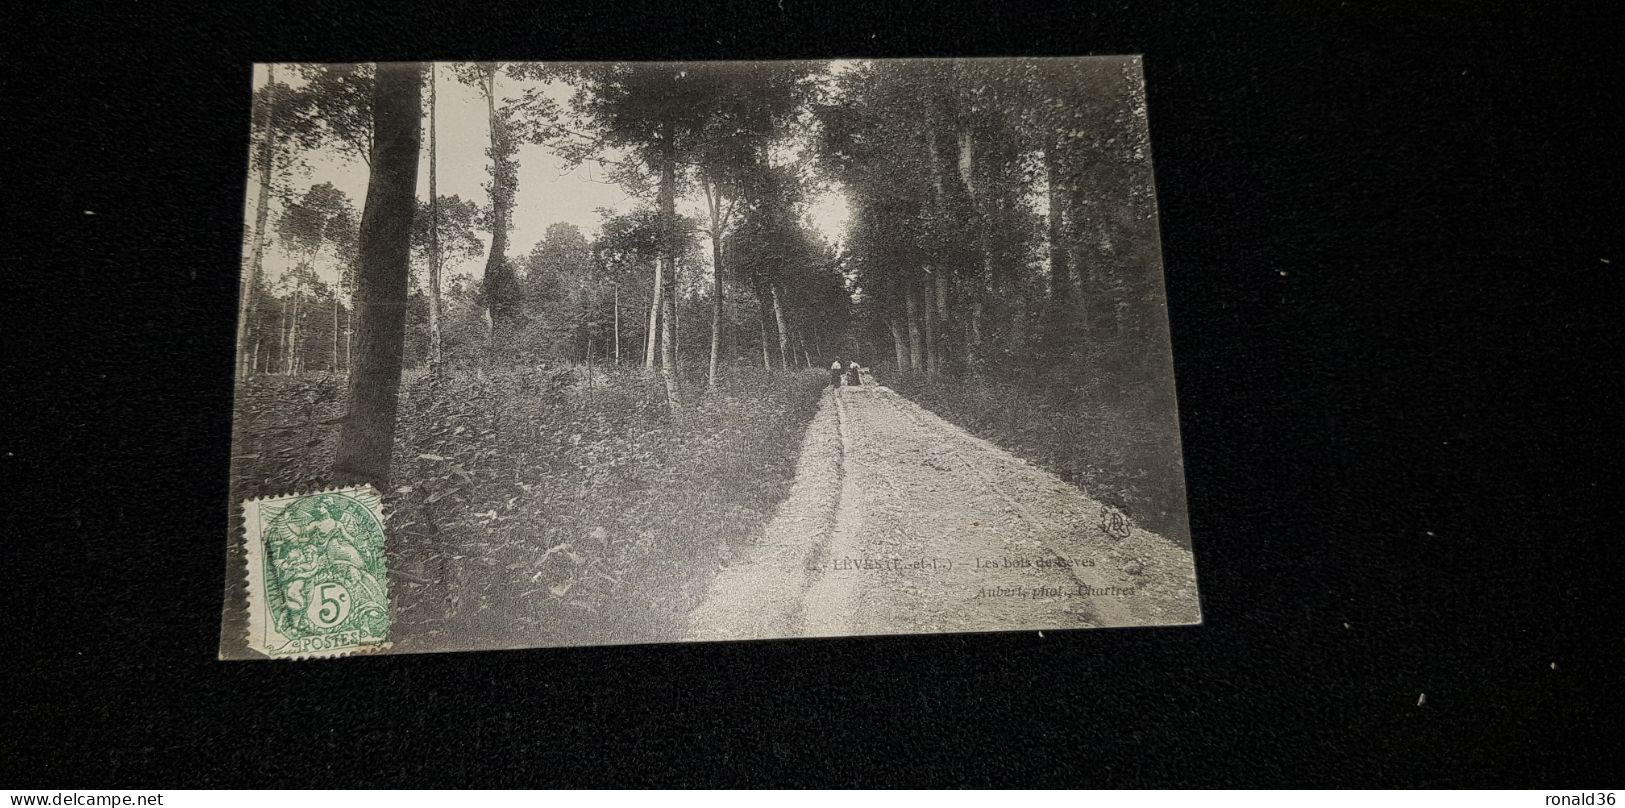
column 1114, row 524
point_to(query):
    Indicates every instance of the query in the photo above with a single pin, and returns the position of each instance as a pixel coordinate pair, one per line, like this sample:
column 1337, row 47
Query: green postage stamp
column 317, row 584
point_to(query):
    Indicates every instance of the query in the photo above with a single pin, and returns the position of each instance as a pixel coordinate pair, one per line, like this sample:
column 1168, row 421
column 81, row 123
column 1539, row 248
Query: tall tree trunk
column 916, row 346
column 652, row 335
column 281, row 341
column 497, row 280
column 335, row 334
column 255, row 367
column 1060, row 269
column 967, row 161
column 668, row 214
column 939, row 349
column 617, row 324
column 668, row 355
column 932, row 156
column 716, row 307
column 933, row 351
column 676, row 314
column 900, row 347
column 584, row 316
column 1081, row 319
column 784, row 335
column 301, row 362
column 285, row 333
column 761, row 323
column 435, row 343
column 293, row 332
column 643, row 338
column 249, row 302
column 973, row 351
column 384, row 268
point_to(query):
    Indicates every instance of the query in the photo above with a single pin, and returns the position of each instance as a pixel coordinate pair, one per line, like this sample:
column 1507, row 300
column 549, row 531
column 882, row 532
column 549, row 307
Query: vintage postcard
column 542, row 354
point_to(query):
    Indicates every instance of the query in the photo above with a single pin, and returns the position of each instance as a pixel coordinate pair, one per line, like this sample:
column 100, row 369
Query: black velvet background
column 1387, row 237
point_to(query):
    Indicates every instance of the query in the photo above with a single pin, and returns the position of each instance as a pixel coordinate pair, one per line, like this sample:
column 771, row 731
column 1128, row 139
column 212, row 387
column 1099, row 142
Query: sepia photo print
column 550, row 354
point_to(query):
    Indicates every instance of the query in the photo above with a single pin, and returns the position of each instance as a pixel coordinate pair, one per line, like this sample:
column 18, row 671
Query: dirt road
column 900, row 522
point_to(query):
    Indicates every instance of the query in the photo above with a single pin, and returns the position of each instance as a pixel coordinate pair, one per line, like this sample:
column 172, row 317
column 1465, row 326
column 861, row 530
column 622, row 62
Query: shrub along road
column 900, row 522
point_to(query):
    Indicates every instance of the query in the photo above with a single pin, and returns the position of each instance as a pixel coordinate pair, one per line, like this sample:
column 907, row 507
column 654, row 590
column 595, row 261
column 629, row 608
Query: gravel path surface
column 900, row 522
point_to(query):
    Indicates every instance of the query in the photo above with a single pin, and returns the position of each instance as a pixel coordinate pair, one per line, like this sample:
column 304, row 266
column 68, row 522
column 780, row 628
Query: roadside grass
column 543, row 506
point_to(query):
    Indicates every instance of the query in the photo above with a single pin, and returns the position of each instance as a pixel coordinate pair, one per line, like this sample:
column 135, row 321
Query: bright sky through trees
column 549, row 191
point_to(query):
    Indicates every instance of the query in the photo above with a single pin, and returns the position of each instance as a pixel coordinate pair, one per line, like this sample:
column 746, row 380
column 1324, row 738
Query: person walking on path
column 835, row 374
column 852, row 373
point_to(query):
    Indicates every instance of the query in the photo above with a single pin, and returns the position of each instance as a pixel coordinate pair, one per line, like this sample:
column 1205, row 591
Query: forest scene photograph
column 651, row 352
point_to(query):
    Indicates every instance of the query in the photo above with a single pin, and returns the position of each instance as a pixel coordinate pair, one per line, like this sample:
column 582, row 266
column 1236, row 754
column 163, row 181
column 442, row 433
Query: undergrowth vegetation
column 541, row 506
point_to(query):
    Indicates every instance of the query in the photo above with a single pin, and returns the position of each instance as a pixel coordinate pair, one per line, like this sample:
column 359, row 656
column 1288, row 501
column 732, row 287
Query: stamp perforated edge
column 254, row 547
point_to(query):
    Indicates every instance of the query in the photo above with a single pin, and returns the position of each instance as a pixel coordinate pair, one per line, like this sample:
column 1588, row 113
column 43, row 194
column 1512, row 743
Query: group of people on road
column 844, row 375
